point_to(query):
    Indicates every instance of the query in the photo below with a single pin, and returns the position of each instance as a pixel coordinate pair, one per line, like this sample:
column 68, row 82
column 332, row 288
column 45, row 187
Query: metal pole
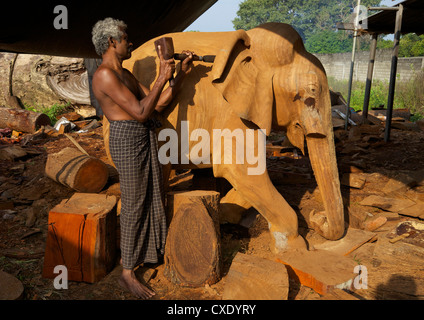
column 393, row 70
column 352, row 63
column 369, row 77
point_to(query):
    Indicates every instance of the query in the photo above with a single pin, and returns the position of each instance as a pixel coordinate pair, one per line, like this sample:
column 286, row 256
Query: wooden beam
column 393, row 70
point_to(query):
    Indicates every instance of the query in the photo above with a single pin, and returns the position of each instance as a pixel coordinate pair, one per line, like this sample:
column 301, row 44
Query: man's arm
column 168, row 94
column 140, row 110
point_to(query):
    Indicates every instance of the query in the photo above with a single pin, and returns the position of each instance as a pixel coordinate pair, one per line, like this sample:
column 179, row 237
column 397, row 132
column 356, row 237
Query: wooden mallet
column 167, row 46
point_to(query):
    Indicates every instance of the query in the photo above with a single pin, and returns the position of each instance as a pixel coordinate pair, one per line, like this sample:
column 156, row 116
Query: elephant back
column 144, row 62
column 275, row 44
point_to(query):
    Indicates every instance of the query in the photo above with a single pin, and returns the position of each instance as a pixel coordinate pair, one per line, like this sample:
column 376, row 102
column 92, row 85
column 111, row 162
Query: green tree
column 328, row 41
column 411, row 45
column 306, row 16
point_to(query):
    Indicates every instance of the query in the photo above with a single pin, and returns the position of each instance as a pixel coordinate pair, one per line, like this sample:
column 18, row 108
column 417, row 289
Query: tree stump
column 22, row 120
column 256, row 278
column 82, row 236
column 174, row 199
column 193, row 250
column 76, row 170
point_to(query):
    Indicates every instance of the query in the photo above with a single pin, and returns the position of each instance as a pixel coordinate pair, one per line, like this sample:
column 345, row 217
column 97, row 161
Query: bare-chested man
column 129, row 105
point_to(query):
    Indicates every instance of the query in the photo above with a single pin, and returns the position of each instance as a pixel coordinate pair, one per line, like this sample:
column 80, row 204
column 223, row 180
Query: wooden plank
column 338, row 294
column 385, row 203
column 255, row 278
column 353, row 239
column 320, row 270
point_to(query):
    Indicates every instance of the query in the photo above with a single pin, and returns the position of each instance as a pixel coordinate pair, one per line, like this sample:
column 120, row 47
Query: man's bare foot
column 129, row 281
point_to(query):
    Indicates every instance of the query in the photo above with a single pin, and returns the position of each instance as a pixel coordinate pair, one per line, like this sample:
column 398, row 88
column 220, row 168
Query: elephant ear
column 246, row 88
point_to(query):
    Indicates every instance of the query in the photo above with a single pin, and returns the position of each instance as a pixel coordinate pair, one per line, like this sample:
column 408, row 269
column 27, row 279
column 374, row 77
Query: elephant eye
column 313, row 89
column 310, row 102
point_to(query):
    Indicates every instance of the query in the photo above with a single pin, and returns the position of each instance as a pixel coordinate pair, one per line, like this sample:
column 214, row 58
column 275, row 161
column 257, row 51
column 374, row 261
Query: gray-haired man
column 128, row 106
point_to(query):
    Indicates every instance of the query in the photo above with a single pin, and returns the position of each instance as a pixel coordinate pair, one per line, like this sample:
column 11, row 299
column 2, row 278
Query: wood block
column 255, row 278
column 319, row 270
column 193, row 248
column 353, row 180
column 64, row 128
column 82, row 236
column 416, row 210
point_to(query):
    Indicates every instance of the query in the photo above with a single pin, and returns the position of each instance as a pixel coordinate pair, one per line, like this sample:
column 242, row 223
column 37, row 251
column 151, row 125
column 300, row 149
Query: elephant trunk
column 330, row 223
column 322, row 155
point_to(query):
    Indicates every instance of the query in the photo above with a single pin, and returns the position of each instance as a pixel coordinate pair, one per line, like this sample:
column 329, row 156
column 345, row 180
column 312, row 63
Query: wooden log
column 76, row 170
column 255, row 278
column 46, row 80
column 82, row 236
column 193, row 248
column 22, row 120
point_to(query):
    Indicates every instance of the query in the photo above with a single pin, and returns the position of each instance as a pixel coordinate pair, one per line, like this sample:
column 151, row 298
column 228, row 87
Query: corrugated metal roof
column 27, row 26
column 412, row 21
column 384, row 21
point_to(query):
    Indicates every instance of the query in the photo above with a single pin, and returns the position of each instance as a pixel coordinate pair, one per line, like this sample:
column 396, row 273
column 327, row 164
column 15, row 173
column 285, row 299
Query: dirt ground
column 395, row 271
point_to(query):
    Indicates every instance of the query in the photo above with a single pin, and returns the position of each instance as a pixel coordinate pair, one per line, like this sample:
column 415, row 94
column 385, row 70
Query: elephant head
column 270, row 80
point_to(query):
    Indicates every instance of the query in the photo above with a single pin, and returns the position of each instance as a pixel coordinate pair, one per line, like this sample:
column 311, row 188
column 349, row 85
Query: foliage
column 327, row 41
column 52, row 112
column 316, row 20
column 411, row 45
column 306, row 16
column 378, row 95
column 408, row 94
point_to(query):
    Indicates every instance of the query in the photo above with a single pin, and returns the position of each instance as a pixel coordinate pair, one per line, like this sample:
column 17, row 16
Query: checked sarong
column 134, row 151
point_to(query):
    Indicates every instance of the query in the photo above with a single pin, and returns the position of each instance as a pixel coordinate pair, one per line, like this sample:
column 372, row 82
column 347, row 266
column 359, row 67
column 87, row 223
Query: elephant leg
column 259, row 191
column 232, row 206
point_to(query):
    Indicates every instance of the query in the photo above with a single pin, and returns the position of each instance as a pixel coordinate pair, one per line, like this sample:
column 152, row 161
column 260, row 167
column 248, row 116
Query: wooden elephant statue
column 261, row 79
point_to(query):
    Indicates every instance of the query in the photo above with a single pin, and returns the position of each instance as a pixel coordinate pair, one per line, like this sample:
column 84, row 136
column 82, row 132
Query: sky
column 219, row 17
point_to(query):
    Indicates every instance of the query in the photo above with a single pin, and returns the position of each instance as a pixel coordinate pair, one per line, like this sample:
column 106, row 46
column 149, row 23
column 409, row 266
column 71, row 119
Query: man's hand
column 167, row 67
column 187, row 62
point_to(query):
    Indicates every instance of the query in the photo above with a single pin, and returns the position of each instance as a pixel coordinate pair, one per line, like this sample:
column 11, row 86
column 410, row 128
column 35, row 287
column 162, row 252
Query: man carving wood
column 128, row 105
